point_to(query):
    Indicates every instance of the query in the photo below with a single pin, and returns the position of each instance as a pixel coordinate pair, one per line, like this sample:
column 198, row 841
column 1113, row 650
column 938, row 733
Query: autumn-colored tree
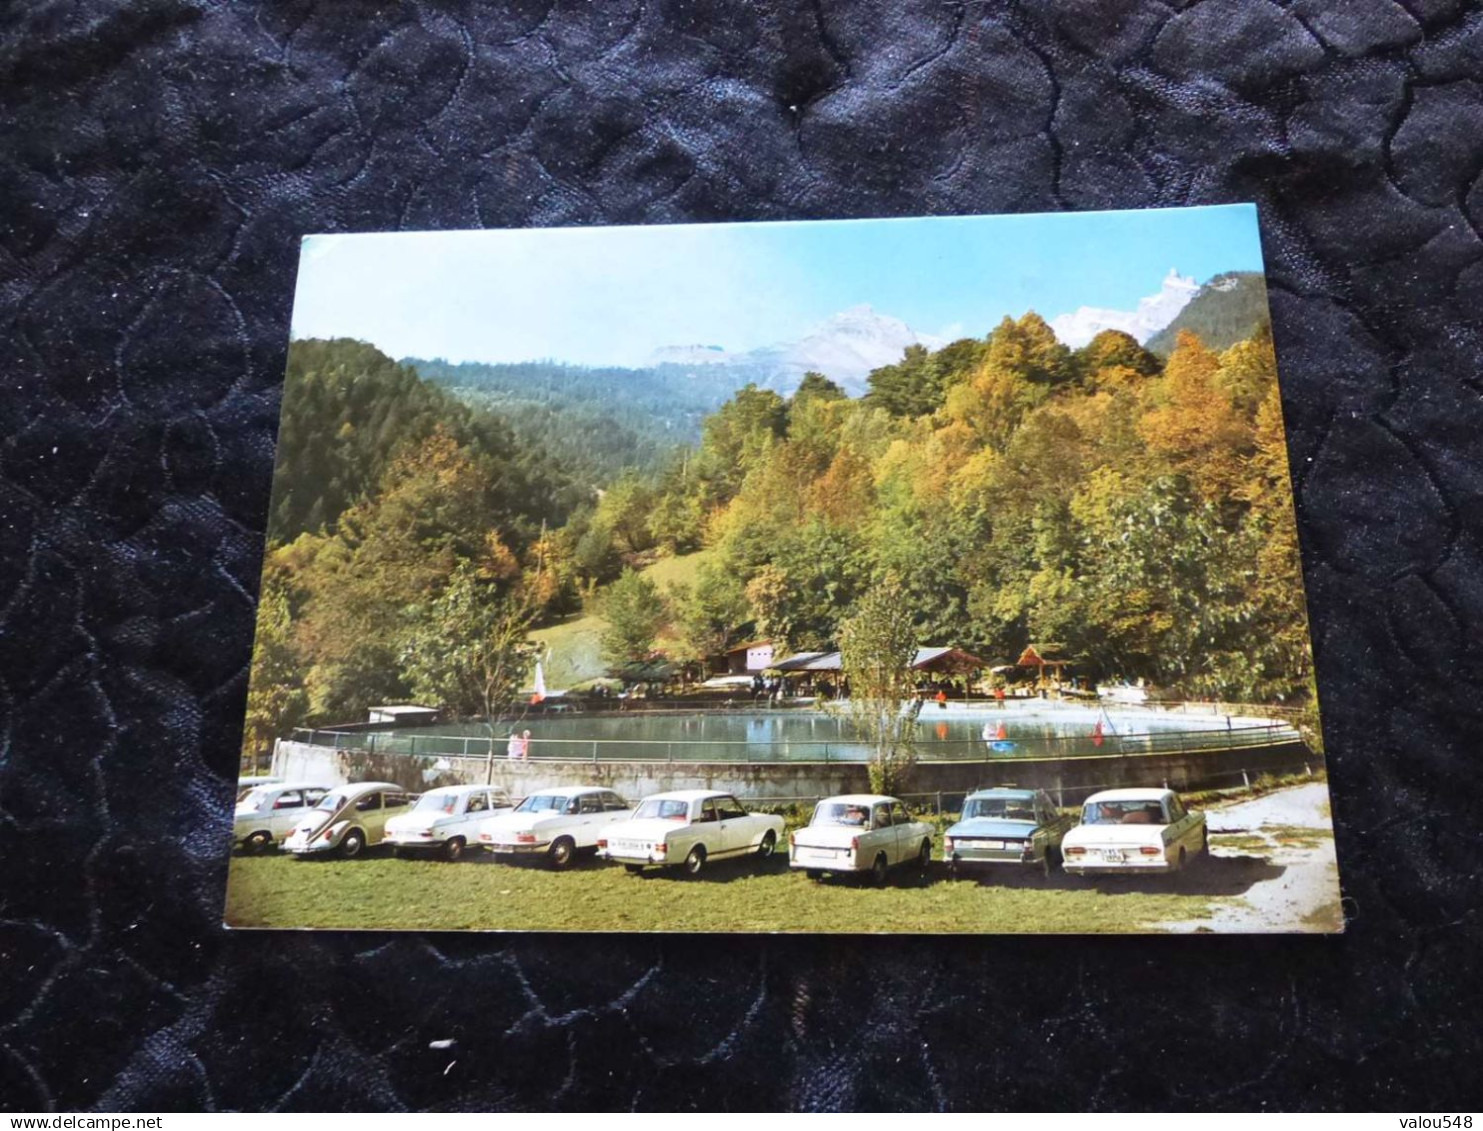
column 709, row 613
column 1196, row 429
column 276, row 699
column 845, row 492
column 737, row 438
column 1029, row 348
column 1113, row 356
column 1248, row 371
column 635, row 611
column 877, row 644
column 1283, row 649
column 992, row 403
column 370, row 583
column 767, row 596
column 470, row 655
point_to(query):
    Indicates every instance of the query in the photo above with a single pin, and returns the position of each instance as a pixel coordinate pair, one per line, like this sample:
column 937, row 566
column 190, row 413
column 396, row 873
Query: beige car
column 350, row 819
column 861, row 833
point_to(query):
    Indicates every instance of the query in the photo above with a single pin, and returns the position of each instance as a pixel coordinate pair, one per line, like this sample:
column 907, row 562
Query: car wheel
column 561, row 852
column 695, row 862
column 633, row 869
column 878, row 870
column 353, row 843
column 453, row 848
column 258, row 842
column 924, row 857
column 769, row 842
column 813, row 873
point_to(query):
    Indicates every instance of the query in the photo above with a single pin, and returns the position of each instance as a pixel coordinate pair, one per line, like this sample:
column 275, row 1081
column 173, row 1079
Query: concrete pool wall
column 1070, row 779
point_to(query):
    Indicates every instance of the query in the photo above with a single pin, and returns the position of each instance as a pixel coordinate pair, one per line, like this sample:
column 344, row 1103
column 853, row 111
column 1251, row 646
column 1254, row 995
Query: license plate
column 629, row 846
column 1113, row 855
column 992, row 843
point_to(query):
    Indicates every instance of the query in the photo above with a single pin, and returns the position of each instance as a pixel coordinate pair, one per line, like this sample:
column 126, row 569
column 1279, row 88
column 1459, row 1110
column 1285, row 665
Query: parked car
column 349, row 819
column 1133, row 831
column 446, row 820
column 688, row 829
column 860, row 832
column 248, row 784
column 558, row 823
column 1019, row 828
column 266, row 814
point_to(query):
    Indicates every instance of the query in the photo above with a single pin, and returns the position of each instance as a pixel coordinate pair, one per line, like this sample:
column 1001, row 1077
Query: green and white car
column 349, row 819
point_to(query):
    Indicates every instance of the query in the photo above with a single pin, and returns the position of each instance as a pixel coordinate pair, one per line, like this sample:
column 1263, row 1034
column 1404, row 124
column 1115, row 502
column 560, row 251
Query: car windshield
column 1122, row 813
column 253, row 799
column 436, row 803
column 664, row 810
column 848, row 814
column 331, row 801
column 1002, row 808
column 542, row 803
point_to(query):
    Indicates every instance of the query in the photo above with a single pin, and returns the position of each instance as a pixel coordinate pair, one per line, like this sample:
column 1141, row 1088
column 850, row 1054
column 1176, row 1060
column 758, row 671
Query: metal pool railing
column 739, row 750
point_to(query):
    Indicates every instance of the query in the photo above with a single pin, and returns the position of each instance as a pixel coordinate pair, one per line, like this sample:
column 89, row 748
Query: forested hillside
column 409, row 532
column 1226, row 310
column 349, row 411
column 1134, row 509
column 1137, row 511
column 596, row 423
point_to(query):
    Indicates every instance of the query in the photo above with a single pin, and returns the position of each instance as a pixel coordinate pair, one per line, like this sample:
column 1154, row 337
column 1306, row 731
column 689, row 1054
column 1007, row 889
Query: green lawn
column 378, row 891
column 575, row 644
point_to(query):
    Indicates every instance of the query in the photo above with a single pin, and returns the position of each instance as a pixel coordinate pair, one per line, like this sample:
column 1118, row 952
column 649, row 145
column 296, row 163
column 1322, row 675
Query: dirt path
column 1288, row 837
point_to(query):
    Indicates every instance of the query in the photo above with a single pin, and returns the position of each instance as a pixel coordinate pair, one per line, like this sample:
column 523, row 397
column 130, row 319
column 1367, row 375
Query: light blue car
column 1007, row 827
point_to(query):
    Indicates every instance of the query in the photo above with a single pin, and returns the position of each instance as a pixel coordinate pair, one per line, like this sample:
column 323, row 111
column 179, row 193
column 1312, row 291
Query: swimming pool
column 959, row 732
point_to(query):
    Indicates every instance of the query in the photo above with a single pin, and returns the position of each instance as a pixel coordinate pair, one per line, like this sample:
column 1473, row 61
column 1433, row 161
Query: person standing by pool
column 512, row 748
column 525, row 746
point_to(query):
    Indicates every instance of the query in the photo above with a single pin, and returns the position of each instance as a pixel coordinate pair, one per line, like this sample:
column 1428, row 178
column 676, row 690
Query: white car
column 556, row 823
column 1131, row 832
column 446, row 820
column 248, row 784
column 860, row 832
column 687, row 829
column 265, row 814
column 348, row 819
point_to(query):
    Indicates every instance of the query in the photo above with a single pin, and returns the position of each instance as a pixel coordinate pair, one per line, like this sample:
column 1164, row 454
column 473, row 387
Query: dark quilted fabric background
column 159, row 160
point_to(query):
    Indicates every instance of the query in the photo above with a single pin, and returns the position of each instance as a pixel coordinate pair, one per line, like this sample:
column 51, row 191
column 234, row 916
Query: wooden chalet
column 1046, row 656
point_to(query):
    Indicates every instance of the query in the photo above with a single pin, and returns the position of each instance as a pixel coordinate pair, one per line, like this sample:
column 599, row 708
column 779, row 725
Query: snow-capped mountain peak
column 1151, row 315
column 847, row 346
column 844, row 347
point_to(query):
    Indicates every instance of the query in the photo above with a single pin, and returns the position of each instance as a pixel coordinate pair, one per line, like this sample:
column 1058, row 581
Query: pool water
column 957, row 732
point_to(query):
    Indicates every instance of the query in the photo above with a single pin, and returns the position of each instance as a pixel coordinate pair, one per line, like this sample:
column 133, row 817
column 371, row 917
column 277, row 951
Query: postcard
column 915, row 576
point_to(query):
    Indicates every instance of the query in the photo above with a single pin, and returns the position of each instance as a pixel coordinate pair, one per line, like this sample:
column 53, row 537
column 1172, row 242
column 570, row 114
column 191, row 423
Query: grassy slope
column 574, row 644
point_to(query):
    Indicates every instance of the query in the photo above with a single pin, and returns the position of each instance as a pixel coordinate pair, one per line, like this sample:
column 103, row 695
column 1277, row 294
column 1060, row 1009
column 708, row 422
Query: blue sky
column 610, row 296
